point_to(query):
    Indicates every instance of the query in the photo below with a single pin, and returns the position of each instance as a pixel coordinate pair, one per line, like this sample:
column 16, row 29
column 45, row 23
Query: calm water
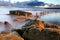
column 51, row 18
column 6, row 10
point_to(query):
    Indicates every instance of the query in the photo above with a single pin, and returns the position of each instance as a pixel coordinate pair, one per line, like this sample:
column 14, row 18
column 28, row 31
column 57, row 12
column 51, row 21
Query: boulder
column 34, row 34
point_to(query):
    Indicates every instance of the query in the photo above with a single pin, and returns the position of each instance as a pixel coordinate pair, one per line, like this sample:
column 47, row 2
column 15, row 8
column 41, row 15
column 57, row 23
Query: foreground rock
column 47, row 33
column 34, row 34
column 10, row 36
column 37, row 30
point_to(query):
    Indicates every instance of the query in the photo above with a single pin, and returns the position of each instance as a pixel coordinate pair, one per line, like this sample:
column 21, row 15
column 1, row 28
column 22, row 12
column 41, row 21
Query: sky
column 45, row 1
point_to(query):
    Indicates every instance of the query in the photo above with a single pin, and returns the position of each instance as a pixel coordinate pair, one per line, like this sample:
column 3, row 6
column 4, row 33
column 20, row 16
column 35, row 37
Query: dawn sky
column 46, row 1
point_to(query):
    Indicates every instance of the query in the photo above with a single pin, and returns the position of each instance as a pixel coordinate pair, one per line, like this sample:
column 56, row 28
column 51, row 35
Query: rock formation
column 37, row 30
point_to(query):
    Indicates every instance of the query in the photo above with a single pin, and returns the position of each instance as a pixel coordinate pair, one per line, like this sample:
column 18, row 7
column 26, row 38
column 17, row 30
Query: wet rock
column 31, row 22
column 48, row 25
column 34, row 23
column 34, row 34
column 19, row 31
column 19, row 12
column 29, row 32
column 10, row 36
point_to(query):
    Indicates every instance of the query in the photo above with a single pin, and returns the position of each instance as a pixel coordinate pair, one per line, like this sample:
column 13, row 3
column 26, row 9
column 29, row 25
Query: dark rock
column 34, row 34
column 47, row 25
column 19, row 31
column 31, row 22
column 19, row 12
column 28, row 32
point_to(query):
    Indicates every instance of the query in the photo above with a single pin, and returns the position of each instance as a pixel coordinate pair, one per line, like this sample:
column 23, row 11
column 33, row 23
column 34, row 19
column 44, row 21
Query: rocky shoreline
column 33, row 30
column 28, row 32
